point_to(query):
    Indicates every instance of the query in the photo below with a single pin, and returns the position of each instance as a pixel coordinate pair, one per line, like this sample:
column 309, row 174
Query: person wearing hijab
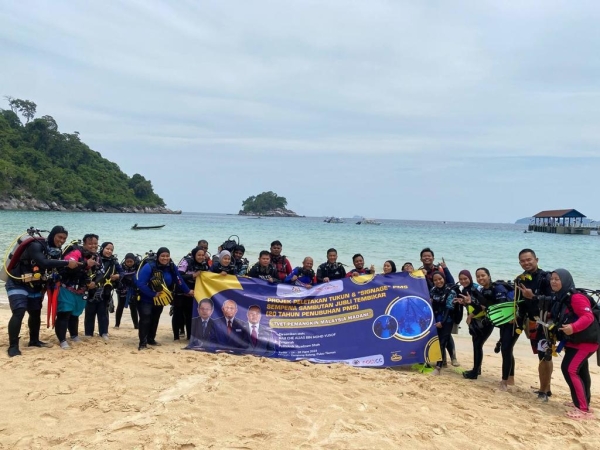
column 389, row 267
column 480, row 328
column 580, row 330
column 75, row 285
column 109, row 272
column 224, row 266
column 442, row 302
column 25, row 289
column 156, row 281
column 189, row 268
column 127, row 292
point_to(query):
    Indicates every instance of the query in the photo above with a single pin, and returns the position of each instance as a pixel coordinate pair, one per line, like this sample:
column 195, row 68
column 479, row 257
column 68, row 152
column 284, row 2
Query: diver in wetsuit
column 27, row 283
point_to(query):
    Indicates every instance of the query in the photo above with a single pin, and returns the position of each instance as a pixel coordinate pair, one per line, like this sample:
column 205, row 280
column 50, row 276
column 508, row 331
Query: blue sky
column 474, row 111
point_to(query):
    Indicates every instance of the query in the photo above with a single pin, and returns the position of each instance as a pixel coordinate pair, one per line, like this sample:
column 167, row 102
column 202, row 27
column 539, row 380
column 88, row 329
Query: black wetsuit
column 183, row 305
column 27, row 297
column 495, row 294
column 74, row 281
column 264, row 273
column 480, row 330
column 540, row 285
column 127, row 289
column 333, row 271
column 99, row 298
column 440, row 299
column 231, row 269
column 241, row 266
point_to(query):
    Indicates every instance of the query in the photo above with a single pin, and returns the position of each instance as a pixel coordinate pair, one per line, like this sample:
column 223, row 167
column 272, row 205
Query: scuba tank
column 228, row 245
column 16, row 250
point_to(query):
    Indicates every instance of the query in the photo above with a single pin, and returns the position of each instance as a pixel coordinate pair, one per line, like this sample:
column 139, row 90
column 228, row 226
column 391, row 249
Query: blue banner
column 368, row 320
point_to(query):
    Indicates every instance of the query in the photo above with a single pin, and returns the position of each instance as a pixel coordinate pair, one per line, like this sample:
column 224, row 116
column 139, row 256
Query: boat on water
column 364, row 221
column 153, row 227
column 333, row 220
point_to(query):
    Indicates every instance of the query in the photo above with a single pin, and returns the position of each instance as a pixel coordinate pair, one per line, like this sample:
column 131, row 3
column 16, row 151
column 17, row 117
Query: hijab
column 224, row 253
column 467, row 274
column 56, row 230
column 102, row 247
column 159, row 252
column 393, row 264
column 194, row 251
column 566, row 281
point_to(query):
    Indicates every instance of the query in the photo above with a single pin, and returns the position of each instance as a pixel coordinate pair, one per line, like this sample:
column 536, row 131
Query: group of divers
column 82, row 277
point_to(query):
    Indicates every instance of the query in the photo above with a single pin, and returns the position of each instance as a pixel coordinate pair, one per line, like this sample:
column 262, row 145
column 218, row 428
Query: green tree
column 38, row 161
column 264, row 202
column 52, row 125
column 26, row 107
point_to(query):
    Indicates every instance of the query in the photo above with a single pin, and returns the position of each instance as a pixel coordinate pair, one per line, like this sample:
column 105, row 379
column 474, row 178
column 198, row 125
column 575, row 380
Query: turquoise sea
column 462, row 245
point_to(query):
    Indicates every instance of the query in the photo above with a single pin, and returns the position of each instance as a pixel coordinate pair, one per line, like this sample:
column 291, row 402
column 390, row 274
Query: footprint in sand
column 63, row 389
column 50, row 373
column 49, row 419
column 35, row 395
column 24, row 442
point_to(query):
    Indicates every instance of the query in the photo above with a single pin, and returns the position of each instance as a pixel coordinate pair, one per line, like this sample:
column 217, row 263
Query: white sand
column 102, row 396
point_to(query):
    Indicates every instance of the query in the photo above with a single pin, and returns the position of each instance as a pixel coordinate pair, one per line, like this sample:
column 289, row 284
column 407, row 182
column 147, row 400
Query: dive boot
column 13, row 348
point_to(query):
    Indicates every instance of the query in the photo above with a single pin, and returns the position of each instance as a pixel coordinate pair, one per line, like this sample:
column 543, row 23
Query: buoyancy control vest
column 280, row 264
column 333, row 271
column 566, row 315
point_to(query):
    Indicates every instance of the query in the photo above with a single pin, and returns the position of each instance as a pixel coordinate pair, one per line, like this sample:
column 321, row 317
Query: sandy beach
column 99, row 396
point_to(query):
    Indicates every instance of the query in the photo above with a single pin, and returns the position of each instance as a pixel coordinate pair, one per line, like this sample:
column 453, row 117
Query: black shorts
column 21, row 296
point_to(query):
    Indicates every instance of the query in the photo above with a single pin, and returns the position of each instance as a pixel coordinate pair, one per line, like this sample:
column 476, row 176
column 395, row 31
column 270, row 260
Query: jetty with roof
column 559, row 221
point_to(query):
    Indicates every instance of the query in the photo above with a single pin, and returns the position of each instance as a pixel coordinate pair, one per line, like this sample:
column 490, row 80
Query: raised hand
column 465, row 299
column 527, row 293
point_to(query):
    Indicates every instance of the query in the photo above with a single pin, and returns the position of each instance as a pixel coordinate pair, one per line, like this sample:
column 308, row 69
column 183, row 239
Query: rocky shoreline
column 32, row 204
column 278, row 212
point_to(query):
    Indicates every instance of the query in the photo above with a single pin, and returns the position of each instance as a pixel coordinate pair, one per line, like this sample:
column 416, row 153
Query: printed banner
column 369, row 320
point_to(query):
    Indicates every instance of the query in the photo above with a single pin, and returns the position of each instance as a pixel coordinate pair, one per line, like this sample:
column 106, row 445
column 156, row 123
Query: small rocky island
column 266, row 204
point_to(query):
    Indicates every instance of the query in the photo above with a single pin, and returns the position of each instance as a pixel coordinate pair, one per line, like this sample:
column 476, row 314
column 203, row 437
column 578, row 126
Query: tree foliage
column 264, row 202
column 37, row 160
column 26, row 107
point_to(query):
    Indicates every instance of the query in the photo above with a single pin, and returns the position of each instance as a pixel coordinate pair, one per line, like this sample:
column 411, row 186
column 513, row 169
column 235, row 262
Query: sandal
column 578, row 414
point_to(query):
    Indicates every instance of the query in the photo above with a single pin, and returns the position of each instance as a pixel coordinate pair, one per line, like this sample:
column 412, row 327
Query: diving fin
column 501, row 314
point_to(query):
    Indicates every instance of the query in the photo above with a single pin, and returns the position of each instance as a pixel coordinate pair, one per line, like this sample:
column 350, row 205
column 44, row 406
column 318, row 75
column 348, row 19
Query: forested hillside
column 37, row 161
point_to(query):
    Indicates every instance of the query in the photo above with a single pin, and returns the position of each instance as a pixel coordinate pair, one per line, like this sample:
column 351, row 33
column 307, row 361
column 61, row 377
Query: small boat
column 333, row 220
column 368, row 222
column 153, row 227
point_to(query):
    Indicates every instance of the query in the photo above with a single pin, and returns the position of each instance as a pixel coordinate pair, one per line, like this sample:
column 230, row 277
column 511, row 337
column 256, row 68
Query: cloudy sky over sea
column 475, row 111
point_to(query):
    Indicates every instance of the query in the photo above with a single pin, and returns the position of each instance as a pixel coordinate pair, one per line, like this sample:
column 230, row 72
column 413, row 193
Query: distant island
column 266, row 204
column 43, row 169
column 524, row 221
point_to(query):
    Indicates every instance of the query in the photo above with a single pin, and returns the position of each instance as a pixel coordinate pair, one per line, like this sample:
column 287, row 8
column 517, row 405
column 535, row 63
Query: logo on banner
column 414, row 316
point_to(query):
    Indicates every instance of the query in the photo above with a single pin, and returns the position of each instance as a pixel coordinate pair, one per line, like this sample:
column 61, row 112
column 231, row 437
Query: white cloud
column 437, row 88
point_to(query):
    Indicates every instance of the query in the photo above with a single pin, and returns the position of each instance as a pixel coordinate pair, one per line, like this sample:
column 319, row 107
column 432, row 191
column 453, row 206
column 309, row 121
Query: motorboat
column 152, row 227
column 368, row 222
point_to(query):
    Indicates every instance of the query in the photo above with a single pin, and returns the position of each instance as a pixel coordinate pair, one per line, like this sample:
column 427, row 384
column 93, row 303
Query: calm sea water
column 462, row 245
